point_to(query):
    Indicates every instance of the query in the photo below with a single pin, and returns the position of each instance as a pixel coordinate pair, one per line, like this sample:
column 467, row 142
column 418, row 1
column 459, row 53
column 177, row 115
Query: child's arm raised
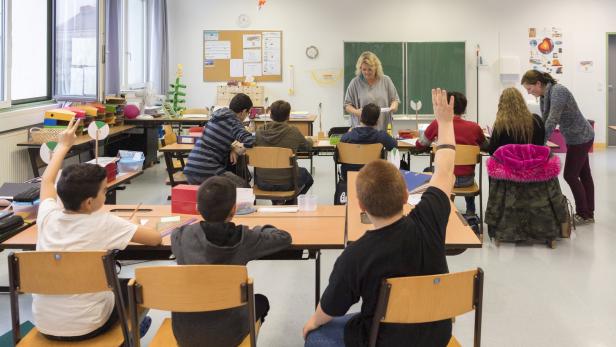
column 445, row 154
column 65, row 142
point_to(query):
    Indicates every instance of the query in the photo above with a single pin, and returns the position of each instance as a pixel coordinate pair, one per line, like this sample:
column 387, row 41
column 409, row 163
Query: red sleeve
column 481, row 138
column 432, row 131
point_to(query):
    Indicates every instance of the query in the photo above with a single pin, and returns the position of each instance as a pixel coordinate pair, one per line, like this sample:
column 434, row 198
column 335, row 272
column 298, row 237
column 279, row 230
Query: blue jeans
column 467, row 181
column 330, row 334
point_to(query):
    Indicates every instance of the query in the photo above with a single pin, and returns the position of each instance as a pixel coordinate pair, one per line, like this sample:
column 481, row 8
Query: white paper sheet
column 252, row 69
column 412, row 142
column 290, row 209
column 252, row 55
column 252, row 41
column 217, row 49
column 236, row 68
column 414, row 199
column 271, row 53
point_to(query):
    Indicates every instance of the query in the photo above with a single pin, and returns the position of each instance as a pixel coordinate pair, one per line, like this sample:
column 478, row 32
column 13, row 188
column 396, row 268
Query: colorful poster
column 546, row 50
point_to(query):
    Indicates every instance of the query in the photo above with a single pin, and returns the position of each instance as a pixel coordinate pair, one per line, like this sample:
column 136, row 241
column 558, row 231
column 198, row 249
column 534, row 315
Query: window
column 133, row 44
column 30, row 75
column 76, row 49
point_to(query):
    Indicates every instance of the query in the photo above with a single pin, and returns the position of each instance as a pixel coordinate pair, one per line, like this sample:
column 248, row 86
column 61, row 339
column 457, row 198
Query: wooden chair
column 175, row 163
column 191, row 288
column 65, row 273
column 422, row 299
column 469, row 155
column 357, row 154
column 274, row 158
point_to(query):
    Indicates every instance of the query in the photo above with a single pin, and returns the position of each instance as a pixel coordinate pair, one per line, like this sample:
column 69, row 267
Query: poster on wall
column 546, row 50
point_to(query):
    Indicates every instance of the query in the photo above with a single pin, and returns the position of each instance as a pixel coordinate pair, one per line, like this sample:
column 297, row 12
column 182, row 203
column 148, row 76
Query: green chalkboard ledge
column 421, row 117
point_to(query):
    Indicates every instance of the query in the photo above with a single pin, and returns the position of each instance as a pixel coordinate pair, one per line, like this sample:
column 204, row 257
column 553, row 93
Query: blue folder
column 414, row 179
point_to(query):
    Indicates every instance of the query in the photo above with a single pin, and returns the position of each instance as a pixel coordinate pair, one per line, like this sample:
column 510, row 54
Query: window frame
column 124, row 85
column 100, row 60
column 5, row 60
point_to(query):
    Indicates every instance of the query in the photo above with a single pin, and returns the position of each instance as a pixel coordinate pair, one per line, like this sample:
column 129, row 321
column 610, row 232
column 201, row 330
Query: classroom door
column 611, row 88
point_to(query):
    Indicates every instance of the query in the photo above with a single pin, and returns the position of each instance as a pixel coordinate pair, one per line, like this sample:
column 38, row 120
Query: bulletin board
column 234, row 54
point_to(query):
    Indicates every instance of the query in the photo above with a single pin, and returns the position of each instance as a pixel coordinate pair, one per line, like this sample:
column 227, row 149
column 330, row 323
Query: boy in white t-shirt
column 79, row 226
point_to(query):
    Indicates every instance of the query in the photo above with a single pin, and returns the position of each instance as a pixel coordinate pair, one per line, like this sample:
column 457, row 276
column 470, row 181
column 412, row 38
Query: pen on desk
column 135, row 211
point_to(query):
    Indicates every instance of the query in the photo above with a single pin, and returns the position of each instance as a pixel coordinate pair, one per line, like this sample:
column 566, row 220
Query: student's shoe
column 145, row 326
column 579, row 220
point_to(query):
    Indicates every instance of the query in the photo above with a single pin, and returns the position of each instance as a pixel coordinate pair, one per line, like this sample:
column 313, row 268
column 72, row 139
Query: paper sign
column 252, row 41
column 101, row 127
column 209, row 35
column 217, row 49
column 46, row 151
column 252, row 69
column 252, row 55
column 236, row 68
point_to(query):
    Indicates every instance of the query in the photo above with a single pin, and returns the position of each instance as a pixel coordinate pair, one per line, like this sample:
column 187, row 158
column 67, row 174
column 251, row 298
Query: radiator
column 14, row 161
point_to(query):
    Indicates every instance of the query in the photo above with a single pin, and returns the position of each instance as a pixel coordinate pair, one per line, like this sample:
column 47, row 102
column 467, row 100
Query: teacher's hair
column 534, row 76
column 371, row 60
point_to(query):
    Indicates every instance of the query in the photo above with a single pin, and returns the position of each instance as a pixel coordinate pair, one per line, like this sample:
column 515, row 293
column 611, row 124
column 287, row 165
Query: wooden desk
column 311, row 231
column 458, row 238
column 612, row 127
column 83, row 143
column 303, row 124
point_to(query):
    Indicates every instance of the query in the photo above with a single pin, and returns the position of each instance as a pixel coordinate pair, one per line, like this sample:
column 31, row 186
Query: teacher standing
column 370, row 85
column 558, row 107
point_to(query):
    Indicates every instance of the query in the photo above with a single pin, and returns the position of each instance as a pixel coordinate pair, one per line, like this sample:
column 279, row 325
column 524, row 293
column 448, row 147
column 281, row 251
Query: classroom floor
column 533, row 296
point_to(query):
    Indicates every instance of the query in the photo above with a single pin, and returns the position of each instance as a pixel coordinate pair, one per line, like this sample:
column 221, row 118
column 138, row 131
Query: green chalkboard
column 391, row 55
column 431, row 65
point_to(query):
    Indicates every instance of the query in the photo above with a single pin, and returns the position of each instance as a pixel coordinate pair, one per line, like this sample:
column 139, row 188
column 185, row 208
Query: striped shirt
column 210, row 155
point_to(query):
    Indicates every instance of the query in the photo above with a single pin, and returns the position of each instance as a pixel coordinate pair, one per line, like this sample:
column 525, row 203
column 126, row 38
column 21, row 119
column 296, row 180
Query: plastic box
column 130, row 161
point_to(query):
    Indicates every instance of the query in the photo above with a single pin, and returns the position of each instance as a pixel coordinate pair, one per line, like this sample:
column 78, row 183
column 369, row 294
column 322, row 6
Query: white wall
column 500, row 27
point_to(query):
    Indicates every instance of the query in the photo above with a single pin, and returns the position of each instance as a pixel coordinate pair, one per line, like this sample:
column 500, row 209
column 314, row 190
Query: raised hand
column 67, row 137
column 443, row 110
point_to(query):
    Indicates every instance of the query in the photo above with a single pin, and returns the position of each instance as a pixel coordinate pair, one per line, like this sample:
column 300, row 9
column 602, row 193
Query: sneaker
column 579, row 220
column 145, row 326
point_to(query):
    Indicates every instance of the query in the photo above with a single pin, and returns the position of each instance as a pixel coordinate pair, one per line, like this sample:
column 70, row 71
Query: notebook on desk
column 415, row 182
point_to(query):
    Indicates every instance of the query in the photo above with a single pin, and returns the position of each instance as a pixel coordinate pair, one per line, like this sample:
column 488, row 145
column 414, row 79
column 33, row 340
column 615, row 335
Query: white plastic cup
column 307, row 202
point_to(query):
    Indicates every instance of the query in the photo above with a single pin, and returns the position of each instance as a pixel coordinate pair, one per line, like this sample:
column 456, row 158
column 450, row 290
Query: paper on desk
column 412, row 142
column 414, row 199
column 324, row 143
column 169, row 219
column 289, row 209
column 385, row 109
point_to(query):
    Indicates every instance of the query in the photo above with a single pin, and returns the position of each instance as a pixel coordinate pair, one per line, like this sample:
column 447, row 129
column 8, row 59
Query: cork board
column 223, row 50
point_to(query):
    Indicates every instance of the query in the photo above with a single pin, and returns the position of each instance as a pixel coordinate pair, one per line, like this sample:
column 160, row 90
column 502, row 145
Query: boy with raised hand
column 217, row 240
column 79, row 225
column 411, row 245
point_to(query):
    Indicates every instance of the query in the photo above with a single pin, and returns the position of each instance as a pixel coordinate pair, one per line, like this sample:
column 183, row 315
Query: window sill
column 20, row 116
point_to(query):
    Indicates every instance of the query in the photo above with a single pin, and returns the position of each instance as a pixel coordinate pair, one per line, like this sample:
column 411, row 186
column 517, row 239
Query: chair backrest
column 421, row 299
column 354, row 153
column 190, row 111
column 467, row 155
column 191, row 288
column 63, row 273
column 270, row 157
column 337, row 131
column 170, row 137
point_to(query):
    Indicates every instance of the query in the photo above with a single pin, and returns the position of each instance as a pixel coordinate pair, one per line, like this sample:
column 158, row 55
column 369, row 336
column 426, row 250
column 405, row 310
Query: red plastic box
column 184, row 199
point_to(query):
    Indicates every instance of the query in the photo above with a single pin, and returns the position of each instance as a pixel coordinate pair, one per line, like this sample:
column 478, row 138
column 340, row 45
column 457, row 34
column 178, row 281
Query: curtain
column 158, row 46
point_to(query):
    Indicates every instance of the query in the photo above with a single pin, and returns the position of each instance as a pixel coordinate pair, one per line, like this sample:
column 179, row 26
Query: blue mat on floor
column 6, row 340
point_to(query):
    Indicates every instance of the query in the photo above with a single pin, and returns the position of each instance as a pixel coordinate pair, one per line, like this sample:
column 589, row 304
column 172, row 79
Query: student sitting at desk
column 280, row 134
column 411, row 245
column 217, row 240
column 222, row 139
column 367, row 133
column 514, row 123
column 467, row 133
column 79, row 225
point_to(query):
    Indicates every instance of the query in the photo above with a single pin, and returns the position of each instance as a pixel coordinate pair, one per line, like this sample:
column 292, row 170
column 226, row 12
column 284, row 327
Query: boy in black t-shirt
column 399, row 246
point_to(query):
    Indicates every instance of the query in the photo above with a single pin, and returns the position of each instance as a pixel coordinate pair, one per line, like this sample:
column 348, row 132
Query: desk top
column 177, row 148
column 321, row 229
column 84, row 139
column 123, row 179
column 612, row 127
column 167, row 120
column 309, row 118
column 458, row 234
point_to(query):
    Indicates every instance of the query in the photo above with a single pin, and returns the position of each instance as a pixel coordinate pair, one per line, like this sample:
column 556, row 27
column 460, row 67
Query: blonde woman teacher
column 370, row 85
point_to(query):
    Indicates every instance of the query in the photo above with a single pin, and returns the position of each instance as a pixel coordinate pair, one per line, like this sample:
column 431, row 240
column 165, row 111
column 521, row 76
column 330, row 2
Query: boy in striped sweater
column 222, row 139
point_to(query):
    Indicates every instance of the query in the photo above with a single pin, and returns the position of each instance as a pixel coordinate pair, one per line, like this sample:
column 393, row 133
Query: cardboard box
column 60, row 114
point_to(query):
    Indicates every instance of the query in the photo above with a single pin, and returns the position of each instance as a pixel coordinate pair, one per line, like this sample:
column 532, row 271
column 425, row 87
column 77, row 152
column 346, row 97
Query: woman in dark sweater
column 514, row 123
column 558, row 107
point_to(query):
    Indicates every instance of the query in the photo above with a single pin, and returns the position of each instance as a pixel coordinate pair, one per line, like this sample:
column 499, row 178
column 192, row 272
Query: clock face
column 312, row 52
column 243, row 21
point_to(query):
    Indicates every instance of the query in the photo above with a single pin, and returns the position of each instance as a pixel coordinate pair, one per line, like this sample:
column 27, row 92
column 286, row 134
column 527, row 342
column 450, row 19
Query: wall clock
column 312, row 52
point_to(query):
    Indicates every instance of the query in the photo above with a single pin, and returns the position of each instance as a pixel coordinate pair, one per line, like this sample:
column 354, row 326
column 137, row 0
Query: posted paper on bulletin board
column 546, row 50
column 241, row 55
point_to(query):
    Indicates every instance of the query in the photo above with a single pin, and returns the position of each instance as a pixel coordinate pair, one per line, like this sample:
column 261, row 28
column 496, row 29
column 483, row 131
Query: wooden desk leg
column 317, row 279
column 170, row 169
column 33, row 153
